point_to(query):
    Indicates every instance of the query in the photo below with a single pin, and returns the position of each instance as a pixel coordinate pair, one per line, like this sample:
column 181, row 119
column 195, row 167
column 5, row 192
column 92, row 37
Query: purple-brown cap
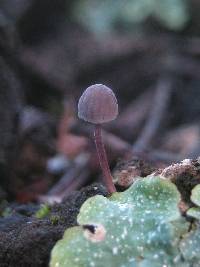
column 98, row 104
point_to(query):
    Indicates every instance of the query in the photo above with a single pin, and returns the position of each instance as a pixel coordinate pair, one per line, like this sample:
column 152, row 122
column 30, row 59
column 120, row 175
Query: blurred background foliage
column 54, row 49
column 108, row 15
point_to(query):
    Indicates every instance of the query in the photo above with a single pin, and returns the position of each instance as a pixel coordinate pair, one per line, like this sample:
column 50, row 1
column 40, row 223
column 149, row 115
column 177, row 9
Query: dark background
column 50, row 51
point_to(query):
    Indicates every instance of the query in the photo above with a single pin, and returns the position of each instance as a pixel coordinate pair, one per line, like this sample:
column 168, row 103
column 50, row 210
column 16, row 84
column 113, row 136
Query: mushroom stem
column 103, row 159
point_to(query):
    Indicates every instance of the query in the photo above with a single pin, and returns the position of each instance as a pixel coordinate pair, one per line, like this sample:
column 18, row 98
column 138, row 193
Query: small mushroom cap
column 98, row 104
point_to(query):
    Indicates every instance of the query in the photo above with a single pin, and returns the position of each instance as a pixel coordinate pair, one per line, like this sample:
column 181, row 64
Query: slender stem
column 103, row 159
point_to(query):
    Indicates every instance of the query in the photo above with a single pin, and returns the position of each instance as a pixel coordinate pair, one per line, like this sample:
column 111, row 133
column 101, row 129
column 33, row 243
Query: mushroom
column 98, row 105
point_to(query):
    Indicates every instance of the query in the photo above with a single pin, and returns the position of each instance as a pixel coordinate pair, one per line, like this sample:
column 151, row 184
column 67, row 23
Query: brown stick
column 70, row 175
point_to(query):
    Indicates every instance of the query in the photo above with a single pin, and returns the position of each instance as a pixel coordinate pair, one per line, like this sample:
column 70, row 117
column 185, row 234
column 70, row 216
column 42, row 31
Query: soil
column 27, row 241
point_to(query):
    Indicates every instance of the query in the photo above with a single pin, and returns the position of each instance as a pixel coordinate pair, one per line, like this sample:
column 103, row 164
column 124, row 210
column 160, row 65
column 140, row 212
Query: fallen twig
column 157, row 114
column 73, row 179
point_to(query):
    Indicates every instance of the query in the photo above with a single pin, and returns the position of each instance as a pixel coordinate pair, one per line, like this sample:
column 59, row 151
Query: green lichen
column 190, row 247
column 194, row 212
column 141, row 227
column 195, row 198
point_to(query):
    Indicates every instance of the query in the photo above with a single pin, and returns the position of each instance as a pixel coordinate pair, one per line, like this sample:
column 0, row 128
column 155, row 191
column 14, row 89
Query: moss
column 43, row 212
column 54, row 219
